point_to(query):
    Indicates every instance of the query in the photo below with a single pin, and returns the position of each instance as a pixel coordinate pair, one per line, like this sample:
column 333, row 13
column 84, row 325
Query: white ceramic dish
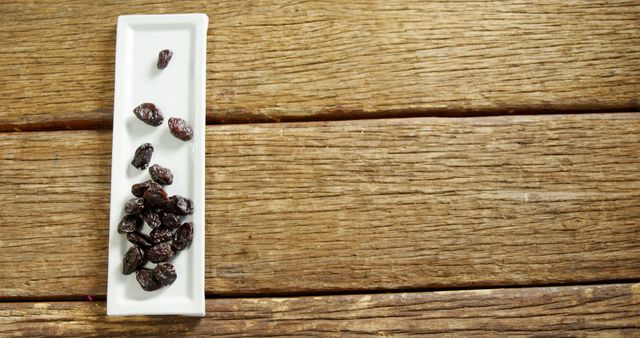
column 179, row 91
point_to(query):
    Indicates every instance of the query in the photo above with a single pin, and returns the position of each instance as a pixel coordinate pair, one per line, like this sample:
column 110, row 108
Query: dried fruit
column 146, row 280
column 165, row 273
column 156, row 198
column 129, row 223
column 169, row 220
column 151, row 218
column 138, row 189
column 163, row 58
column 149, row 114
column 183, row 236
column 134, row 206
column 154, row 207
column 160, row 253
column 180, row 129
column 161, row 234
column 139, row 239
column 181, row 206
column 133, row 259
column 142, row 156
column 161, row 174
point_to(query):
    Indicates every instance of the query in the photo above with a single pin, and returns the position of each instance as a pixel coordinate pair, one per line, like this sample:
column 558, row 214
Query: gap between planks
column 284, row 294
column 343, row 115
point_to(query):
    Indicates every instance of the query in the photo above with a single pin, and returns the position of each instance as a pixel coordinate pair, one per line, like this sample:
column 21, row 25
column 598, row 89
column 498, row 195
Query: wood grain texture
column 602, row 311
column 282, row 60
column 351, row 205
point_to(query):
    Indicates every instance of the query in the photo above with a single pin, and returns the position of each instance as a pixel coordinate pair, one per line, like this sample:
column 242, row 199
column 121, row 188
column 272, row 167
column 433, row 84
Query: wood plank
column 273, row 60
column 351, row 205
column 604, row 311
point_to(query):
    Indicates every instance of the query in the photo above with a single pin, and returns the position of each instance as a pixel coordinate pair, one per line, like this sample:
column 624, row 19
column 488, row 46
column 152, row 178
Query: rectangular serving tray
column 179, row 91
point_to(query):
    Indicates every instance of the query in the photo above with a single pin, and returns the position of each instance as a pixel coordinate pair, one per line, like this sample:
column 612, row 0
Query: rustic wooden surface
column 332, row 214
column 351, row 205
column 603, row 311
column 279, row 60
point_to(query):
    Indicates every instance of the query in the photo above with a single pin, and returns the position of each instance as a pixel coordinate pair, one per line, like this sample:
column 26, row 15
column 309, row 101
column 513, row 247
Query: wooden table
column 373, row 168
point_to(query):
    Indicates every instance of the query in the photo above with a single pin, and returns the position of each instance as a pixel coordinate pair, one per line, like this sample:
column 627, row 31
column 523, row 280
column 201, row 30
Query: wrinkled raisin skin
column 161, row 175
column 149, row 114
column 133, row 259
column 156, row 198
column 134, row 206
column 129, row 223
column 163, row 58
column 169, row 220
column 139, row 239
column 180, row 129
column 183, row 236
column 181, row 205
column 160, row 253
column 146, row 280
column 151, row 218
column 165, row 273
column 161, row 234
column 142, row 156
column 138, row 189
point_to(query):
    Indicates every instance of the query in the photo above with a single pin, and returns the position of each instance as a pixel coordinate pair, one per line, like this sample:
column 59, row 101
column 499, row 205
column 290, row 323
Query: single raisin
column 138, row 189
column 156, row 198
column 180, row 129
column 163, row 58
column 142, row 156
column 181, row 206
column 160, row 253
column 134, row 206
column 151, row 218
column 169, row 220
column 133, row 259
column 183, row 236
column 146, row 280
column 149, row 114
column 165, row 273
column 161, row 174
column 139, row 239
column 129, row 223
column 161, row 234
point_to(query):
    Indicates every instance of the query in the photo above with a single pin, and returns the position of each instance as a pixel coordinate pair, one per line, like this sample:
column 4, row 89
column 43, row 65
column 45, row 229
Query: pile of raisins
column 153, row 206
column 169, row 234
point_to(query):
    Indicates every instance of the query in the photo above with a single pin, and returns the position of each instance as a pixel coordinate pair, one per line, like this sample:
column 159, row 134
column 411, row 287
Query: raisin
column 169, row 220
column 149, row 114
column 129, row 223
column 165, row 273
column 161, row 174
column 156, row 198
column 139, row 239
column 138, row 189
column 180, row 129
column 181, row 206
column 151, row 218
column 134, row 206
column 161, row 234
column 163, row 58
column 142, row 156
column 160, row 253
column 146, row 280
column 183, row 236
column 133, row 259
